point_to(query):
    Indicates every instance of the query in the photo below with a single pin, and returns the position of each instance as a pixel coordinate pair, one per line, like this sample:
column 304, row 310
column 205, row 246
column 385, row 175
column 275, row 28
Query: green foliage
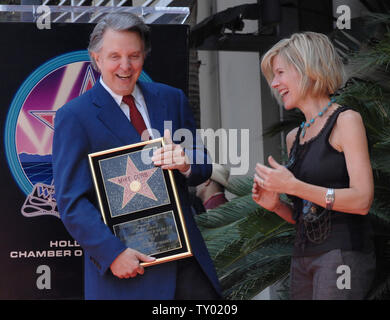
column 382, row 291
column 250, row 246
column 369, row 92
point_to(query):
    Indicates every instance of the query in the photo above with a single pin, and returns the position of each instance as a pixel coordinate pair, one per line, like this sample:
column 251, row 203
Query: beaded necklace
column 305, row 125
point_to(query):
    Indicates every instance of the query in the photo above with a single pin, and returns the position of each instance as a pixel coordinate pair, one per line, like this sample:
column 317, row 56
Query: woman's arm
column 349, row 137
column 271, row 200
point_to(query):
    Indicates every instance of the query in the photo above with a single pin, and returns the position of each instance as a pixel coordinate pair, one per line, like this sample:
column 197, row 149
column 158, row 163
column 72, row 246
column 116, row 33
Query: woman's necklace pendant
column 305, row 125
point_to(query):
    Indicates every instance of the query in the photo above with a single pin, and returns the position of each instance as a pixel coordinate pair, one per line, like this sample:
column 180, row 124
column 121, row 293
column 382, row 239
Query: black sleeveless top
column 317, row 162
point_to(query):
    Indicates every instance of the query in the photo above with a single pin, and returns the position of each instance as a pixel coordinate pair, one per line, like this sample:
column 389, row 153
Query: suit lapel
column 112, row 116
column 115, row 120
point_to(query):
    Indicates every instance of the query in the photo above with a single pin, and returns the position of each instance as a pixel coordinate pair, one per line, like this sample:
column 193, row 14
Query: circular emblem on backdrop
column 29, row 125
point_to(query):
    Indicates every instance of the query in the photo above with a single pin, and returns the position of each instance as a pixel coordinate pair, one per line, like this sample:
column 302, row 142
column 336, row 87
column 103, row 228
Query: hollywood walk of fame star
column 133, row 182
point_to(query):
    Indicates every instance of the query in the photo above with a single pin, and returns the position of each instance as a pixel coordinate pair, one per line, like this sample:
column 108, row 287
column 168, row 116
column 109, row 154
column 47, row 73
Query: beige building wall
column 230, row 93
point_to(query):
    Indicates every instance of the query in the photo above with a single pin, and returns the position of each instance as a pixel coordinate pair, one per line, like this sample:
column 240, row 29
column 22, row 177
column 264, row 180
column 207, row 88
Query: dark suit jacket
column 94, row 122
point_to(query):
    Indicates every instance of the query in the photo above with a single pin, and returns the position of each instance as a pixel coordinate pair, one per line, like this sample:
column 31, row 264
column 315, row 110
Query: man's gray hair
column 118, row 22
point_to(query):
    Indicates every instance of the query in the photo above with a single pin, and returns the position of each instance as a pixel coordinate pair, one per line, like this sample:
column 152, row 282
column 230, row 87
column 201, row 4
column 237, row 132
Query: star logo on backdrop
column 47, row 116
column 134, row 182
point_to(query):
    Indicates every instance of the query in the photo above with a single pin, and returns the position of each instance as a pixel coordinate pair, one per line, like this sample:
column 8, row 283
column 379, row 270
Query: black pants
column 192, row 283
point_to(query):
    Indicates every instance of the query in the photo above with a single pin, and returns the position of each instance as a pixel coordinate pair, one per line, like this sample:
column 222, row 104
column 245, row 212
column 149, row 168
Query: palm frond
column 380, row 210
column 227, row 213
column 250, row 246
column 240, row 186
column 259, row 269
column 244, row 236
column 378, row 55
column 381, row 291
column 374, row 19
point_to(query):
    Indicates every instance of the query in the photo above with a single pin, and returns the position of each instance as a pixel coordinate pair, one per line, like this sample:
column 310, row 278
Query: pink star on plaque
column 133, row 182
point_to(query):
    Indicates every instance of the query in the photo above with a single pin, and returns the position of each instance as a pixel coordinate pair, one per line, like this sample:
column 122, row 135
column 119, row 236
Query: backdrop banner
column 40, row 70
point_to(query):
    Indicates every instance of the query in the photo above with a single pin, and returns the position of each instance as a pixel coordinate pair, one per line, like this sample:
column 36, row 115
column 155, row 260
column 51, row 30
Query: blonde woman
column 328, row 176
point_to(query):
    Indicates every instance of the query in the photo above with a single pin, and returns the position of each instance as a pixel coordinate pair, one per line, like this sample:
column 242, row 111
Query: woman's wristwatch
column 329, row 199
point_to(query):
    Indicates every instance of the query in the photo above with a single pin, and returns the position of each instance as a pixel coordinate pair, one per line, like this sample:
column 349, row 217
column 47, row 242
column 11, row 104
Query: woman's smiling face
column 286, row 81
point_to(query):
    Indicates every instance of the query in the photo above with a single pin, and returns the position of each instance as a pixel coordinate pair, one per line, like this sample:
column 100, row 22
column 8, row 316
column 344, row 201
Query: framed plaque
column 139, row 201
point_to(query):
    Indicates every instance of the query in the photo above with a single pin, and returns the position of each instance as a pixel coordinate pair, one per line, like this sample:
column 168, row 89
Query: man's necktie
column 135, row 116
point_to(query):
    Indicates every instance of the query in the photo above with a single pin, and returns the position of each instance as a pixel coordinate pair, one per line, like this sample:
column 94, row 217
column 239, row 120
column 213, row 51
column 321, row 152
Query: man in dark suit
column 103, row 118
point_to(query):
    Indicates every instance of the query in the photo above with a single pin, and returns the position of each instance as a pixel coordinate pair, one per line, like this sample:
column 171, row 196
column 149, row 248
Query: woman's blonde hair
column 315, row 59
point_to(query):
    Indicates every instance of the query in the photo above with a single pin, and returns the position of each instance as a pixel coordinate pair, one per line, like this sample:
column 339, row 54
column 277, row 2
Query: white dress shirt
column 139, row 103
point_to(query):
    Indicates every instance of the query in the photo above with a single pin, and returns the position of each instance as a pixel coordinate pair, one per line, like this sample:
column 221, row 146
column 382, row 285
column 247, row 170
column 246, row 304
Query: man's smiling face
column 120, row 60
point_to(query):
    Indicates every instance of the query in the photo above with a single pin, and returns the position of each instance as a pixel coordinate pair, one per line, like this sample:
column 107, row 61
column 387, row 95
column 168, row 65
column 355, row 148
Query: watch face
column 330, row 193
column 329, row 199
